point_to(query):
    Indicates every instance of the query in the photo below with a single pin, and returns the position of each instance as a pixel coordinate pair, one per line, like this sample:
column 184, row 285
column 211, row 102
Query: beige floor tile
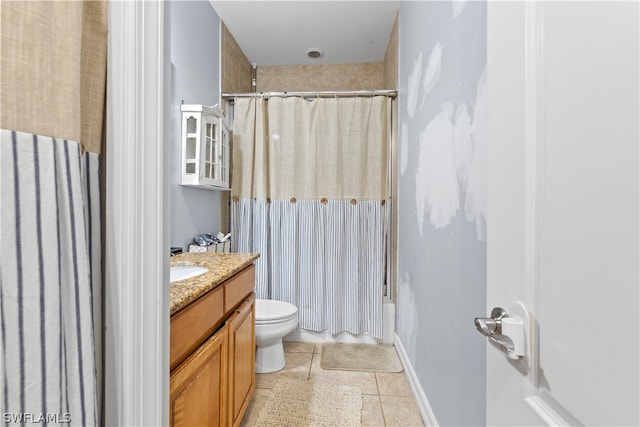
column 260, row 396
column 393, row 384
column 371, row 411
column 400, row 411
column 394, row 407
column 365, row 380
column 297, row 367
column 298, row 347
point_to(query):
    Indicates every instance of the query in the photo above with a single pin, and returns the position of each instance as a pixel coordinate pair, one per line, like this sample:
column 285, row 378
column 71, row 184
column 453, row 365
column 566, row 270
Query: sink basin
column 181, row 272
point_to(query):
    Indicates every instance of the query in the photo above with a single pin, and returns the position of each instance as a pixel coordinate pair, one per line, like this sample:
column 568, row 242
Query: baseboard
column 428, row 417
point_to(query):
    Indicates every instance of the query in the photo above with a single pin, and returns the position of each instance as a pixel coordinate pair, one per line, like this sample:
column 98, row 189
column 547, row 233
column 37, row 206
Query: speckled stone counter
column 221, row 267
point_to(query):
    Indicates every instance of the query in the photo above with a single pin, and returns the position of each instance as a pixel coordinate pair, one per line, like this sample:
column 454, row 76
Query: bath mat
column 297, row 403
column 360, row 357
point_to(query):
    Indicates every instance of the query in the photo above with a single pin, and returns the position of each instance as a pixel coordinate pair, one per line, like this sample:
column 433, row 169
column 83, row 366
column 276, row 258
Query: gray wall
column 442, row 186
column 193, row 77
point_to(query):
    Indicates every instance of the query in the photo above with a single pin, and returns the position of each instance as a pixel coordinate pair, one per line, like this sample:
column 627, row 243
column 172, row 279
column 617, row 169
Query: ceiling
column 280, row 32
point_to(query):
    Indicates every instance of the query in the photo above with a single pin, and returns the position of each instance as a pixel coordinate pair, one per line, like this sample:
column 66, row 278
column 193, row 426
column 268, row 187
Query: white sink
column 181, row 272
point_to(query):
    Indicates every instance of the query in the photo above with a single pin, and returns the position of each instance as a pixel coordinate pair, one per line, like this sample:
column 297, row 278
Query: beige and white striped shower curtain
column 52, row 86
column 309, row 192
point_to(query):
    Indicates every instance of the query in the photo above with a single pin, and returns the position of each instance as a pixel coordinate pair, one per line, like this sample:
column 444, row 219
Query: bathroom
column 450, row 267
column 454, row 242
column 443, row 268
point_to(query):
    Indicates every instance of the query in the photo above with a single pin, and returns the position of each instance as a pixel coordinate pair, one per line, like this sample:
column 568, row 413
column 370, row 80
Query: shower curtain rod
column 352, row 93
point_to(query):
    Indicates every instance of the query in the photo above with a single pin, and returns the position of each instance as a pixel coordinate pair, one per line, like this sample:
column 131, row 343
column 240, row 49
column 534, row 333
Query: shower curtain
column 309, row 192
column 52, row 86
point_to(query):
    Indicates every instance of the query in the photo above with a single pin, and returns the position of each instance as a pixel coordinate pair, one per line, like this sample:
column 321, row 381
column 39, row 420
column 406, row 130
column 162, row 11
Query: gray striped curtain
column 52, row 89
column 321, row 251
column 50, row 225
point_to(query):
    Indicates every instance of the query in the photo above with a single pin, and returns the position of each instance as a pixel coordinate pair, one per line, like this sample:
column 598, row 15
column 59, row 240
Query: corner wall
column 236, row 78
column 194, row 78
column 442, row 206
column 236, row 69
column 390, row 76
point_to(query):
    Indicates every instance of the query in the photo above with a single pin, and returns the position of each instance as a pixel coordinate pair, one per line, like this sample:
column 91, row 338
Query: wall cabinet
column 212, row 355
column 205, row 147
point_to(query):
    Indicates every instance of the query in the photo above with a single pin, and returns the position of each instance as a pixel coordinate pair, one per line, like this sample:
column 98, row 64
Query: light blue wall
column 193, row 77
column 442, row 186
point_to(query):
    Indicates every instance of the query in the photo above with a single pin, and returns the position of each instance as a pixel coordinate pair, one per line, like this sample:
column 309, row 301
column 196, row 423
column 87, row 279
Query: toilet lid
column 269, row 310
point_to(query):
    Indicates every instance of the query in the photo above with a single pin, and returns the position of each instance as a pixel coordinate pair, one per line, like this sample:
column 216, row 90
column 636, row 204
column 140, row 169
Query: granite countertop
column 221, row 267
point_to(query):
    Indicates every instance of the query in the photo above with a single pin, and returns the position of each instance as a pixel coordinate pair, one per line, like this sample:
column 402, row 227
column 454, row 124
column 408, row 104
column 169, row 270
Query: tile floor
column 386, row 397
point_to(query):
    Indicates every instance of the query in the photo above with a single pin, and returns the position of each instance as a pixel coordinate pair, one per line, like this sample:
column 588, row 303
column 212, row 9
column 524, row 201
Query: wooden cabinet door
column 242, row 359
column 197, row 388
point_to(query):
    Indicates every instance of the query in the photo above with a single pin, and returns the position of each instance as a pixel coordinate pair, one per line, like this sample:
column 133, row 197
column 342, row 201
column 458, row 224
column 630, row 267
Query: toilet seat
column 272, row 311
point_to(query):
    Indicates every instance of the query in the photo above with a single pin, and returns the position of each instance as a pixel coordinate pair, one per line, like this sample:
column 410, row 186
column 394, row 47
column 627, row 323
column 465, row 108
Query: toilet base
column 270, row 357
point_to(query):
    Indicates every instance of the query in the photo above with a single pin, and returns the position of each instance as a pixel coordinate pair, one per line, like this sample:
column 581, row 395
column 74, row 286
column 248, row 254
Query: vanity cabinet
column 197, row 388
column 242, row 359
column 205, row 147
column 212, row 355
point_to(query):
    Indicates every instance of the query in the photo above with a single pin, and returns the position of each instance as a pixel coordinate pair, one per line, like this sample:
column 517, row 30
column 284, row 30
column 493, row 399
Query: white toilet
column 274, row 320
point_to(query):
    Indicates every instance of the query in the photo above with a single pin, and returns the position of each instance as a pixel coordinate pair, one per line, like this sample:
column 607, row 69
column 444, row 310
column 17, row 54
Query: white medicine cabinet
column 205, row 147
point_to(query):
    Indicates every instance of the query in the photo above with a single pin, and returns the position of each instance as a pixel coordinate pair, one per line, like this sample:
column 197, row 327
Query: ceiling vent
column 314, row 53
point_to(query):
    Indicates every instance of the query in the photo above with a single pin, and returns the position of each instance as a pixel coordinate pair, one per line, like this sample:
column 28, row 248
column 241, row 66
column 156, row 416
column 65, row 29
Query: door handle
column 506, row 333
column 491, row 326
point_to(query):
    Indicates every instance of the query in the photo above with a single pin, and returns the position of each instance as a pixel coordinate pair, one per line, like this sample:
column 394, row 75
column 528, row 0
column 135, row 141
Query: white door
column 563, row 210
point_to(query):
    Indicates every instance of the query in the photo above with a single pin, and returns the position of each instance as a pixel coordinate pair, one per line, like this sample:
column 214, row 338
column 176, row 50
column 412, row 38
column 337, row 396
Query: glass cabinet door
column 191, row 144
column 205, row 148
column 209, row 158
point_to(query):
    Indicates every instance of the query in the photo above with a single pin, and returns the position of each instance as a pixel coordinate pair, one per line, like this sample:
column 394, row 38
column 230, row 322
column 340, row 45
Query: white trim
column 428, row 417
column 136, row 245
column 547, row 413
column 220, row 56
column 388, row 322
column 534, row 137
column 392, row 211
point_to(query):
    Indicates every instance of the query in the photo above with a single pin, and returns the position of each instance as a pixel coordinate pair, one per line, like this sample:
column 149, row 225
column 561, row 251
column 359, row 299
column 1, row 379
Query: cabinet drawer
column 237, row 288
column 193, row 325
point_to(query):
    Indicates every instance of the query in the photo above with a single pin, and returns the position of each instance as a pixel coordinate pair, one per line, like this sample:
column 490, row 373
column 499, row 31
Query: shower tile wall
column 236, row 78
column 390, row 79
column 236, row 68
column 321, row 77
